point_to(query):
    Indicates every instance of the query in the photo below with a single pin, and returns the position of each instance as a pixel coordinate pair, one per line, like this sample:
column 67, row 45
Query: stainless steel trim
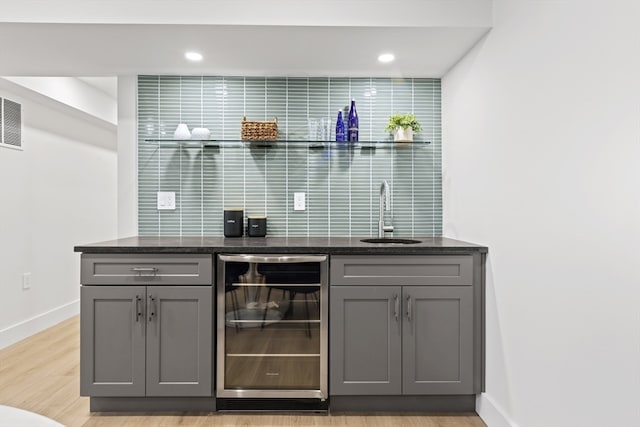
column 221, row 323
column 268, row 322
column 270, row 285
column 284, row 394
column 273, row 258
column 322, row 393
column 273, row 355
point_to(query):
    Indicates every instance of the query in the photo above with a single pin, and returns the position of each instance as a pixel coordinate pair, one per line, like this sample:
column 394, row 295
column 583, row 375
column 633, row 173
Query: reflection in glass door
column 272, row 333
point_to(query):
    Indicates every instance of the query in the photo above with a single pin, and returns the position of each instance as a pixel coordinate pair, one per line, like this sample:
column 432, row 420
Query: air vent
column 11, row 123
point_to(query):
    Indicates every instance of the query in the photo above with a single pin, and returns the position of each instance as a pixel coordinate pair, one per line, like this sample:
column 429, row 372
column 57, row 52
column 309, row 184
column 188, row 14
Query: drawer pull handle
column 396, row 306
column 147, row 271
column 409, row 308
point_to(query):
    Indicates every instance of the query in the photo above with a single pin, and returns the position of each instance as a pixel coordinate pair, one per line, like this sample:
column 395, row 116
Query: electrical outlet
column 26, row 281
column 299, row 201
column 166, row 200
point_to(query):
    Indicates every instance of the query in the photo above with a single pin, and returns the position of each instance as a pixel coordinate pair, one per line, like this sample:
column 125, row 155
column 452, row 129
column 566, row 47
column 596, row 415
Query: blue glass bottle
column 353, row 123
column 340, row 135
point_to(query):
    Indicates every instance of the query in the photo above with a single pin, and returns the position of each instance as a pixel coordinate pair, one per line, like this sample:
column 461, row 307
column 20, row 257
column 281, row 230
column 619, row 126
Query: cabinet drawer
column 143, row 269
column 437, row 270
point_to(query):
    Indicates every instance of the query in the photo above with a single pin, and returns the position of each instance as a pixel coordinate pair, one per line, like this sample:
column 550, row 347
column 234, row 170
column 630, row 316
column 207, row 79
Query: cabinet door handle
column 409, row 308
column 152, row 308
column 138, row 308
column 396, row 306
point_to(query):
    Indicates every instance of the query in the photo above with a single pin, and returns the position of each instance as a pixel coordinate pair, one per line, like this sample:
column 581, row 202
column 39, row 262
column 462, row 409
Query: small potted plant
column 403, row 126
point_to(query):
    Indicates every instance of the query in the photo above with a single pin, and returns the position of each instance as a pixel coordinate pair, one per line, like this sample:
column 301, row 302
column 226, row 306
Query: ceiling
column 112, row 49
column 239, row 37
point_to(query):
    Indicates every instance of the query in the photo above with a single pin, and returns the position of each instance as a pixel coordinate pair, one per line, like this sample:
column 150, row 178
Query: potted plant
column 403, row 126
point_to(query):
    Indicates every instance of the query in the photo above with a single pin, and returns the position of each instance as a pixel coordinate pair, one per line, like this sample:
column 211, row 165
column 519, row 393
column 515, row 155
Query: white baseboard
column 26, row 328
column 491, row 413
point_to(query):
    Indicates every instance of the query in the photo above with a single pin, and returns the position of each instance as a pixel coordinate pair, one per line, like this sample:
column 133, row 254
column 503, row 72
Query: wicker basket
column 259, row 131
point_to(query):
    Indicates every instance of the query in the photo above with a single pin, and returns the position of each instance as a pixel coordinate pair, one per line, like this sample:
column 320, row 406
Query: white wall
column 127, row 156
column 541, row 131
column 59, row 192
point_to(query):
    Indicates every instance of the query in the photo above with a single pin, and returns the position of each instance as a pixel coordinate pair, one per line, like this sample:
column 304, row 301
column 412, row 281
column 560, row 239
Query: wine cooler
column 272, row 326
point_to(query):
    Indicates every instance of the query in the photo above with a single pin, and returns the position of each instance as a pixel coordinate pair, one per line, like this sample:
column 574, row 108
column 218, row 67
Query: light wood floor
column 42, row 374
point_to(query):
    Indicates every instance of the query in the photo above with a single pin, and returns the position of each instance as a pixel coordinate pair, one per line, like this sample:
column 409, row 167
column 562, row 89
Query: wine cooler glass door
column 272, row 314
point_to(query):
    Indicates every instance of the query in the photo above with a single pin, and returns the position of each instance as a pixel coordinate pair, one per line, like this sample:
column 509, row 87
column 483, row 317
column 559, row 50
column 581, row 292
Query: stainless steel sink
column 397, row 241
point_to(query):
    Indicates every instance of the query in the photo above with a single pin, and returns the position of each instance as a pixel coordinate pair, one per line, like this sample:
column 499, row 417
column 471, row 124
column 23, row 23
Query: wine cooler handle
column 273, row 258
column 409, row 308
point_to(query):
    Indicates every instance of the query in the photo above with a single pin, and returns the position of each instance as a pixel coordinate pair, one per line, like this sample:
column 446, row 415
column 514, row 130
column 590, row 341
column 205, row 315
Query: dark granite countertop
column 329, row 245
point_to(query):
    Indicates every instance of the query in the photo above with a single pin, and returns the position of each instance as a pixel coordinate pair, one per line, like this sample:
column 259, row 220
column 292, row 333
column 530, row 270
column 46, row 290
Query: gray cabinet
column 112, row 336
column 146, row 269
column 437, row 340
column 365, row 355
column 146, row 341
column 179, row 341
column 390, row 335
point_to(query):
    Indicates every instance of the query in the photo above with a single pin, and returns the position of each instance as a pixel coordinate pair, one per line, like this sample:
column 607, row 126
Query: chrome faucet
column 385, row 205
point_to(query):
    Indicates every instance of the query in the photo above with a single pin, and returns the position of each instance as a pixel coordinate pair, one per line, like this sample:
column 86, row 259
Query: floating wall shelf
column 211, row 143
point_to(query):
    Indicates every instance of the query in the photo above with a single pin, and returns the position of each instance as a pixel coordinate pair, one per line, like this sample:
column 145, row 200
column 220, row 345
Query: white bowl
column 200, row 133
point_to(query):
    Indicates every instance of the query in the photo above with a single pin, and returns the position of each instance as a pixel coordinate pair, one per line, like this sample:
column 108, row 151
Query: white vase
column 182, row 132
column 403, row 134
column 200, row 133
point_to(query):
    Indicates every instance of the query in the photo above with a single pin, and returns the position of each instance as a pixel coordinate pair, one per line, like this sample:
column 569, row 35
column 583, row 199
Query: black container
column 257, row 226
column 233, row 222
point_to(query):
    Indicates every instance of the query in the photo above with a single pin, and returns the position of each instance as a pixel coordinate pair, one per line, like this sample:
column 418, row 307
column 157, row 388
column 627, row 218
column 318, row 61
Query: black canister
column 233, row 222
column 257, row 226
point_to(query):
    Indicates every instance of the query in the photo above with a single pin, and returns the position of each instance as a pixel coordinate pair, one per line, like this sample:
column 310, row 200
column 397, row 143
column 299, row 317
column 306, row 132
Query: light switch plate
column 299, row 201
column 166, row 200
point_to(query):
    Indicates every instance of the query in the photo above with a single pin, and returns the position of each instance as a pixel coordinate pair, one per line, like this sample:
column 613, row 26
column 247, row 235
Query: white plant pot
column 403, row 135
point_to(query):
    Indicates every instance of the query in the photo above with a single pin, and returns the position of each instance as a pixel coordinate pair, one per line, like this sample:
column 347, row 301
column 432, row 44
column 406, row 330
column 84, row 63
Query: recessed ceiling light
column 193, row 56
column 386, row 57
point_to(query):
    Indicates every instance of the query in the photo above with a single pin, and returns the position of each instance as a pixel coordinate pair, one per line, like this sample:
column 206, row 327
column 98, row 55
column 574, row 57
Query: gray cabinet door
column 438, row 340
column 365, row 340
column 112, row 341
column 179, row 341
